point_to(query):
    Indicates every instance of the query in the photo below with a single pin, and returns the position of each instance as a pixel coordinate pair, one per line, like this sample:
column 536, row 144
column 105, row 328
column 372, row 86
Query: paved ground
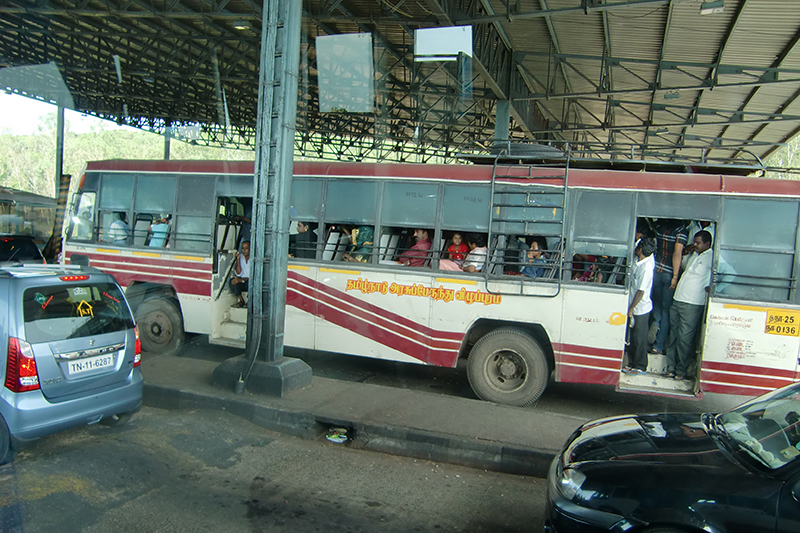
column 402, row 421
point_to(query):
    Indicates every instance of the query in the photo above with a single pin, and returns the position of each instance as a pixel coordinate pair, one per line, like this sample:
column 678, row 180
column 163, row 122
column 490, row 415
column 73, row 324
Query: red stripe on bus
column 410, row 333
column 593, row 178
column 399, row 319
column 119, row 258
column 765, row 382
column 740, row 390
column 585, row 360
column 572, row 374
column 151, row 270
column 589, row 350
column 181, row 286
column 369, row 330
column 747, row 369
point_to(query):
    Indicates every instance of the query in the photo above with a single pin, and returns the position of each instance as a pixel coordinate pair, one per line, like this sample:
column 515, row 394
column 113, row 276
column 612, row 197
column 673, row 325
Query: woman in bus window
column 361, row 241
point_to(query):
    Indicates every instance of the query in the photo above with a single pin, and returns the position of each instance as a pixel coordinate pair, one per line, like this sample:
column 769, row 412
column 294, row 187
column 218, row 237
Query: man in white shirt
column 687, row 308
column 640, row 306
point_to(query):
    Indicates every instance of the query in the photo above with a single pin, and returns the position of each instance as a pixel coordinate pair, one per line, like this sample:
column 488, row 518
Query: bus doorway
column 674, row 327
column 228, row 321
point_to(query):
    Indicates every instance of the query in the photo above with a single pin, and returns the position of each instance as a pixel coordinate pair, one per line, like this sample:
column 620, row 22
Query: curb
column 473, row 453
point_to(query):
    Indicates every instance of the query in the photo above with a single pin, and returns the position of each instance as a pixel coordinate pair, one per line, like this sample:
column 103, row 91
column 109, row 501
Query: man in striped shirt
column 671, row 237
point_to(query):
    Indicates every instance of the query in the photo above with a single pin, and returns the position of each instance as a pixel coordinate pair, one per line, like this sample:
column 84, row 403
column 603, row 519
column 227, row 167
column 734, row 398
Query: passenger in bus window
column 241, row 279
column 159, row 229
column 687, row 308
column 477, row 253
column 417, row 256
column 303, row 245
column 640, row 305
column 585, row 268
column 118, row 229
column 361, row 242
column 458, row 250
column 535, row 262
column 671, row 237
column 475, row 259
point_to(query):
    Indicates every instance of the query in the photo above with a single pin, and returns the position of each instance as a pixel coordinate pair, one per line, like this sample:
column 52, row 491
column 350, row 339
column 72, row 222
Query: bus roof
column 589, row 178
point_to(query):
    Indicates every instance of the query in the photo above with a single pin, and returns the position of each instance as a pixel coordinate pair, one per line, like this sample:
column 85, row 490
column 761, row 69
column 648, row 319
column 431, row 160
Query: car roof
column 16, row 270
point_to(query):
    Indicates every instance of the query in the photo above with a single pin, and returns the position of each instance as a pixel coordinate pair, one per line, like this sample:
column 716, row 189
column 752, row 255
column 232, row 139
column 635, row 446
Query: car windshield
column 70, row 311
column 767, row 428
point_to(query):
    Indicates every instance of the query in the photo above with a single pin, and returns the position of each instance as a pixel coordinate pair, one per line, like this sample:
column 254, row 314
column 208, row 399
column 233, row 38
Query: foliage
column 27, row 162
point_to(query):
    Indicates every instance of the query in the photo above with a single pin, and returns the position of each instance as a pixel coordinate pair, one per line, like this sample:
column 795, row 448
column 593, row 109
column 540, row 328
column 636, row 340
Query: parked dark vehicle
column 19, row 249
column 69, row 354
column 678, row 473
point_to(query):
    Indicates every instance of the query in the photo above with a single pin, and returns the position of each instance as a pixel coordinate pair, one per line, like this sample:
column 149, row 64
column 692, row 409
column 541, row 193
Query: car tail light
column 137, row 348
column 73, row 278
column 21, row 374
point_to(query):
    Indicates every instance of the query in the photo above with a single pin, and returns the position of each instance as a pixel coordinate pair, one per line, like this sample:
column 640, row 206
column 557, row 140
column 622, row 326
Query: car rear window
column 61, row 312
column 13, row 249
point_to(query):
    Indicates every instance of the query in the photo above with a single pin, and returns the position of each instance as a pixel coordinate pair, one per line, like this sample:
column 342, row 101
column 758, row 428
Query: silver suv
column 71, row 352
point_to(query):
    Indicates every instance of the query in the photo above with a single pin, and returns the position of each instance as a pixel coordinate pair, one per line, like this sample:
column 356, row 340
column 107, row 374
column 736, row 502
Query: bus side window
column 757, row 249
column 600, row 236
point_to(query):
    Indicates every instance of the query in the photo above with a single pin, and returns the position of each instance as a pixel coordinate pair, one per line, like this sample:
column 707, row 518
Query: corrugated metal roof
column 652, row 78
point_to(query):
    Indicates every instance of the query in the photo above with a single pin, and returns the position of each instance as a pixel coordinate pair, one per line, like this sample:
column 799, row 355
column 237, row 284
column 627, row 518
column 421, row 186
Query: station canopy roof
column 423, row 80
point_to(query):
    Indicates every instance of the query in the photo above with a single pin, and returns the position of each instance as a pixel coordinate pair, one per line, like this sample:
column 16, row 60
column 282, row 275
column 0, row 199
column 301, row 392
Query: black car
column 678, row 473
column 19, row 249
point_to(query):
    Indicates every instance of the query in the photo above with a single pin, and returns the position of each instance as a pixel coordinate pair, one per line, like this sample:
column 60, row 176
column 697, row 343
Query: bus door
column 228, row 322
column 752, row 335
column 655, row 210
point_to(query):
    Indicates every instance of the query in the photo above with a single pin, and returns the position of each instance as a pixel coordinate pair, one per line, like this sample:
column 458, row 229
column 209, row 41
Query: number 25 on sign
column 780, row 322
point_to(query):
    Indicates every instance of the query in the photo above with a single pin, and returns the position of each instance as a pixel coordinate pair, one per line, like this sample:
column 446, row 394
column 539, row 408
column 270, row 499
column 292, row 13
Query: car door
column 789, row 506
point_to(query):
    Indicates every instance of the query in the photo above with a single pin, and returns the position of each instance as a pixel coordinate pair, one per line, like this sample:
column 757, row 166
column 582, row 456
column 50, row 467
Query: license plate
column 91, row 363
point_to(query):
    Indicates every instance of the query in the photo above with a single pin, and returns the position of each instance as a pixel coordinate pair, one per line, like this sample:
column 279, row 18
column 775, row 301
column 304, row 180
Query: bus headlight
column 570, row 482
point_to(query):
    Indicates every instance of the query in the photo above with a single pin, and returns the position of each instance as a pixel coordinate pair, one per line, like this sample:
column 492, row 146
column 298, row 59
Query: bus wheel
column 160, row 326
column 507, row 366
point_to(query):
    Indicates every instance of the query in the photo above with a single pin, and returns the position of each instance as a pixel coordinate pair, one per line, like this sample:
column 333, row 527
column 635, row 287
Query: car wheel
column 116, row 420
column 508, row 366
column 7, row 453
column 160, row 326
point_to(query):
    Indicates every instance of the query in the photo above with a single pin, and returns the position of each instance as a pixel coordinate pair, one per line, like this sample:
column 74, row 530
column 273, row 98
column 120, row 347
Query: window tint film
column 72, row 311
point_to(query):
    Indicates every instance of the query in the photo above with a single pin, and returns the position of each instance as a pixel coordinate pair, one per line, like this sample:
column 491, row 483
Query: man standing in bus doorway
column 241, row 280
column 640, row 306
column 671, row 237
column 687, row 309
column 418, row 254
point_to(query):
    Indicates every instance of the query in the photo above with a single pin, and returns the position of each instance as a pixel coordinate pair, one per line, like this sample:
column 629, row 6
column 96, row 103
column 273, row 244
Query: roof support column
column 502, row 120
column 264, row 369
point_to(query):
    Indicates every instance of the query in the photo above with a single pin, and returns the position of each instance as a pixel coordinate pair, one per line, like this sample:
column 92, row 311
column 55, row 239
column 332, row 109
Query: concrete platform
column 385, row 419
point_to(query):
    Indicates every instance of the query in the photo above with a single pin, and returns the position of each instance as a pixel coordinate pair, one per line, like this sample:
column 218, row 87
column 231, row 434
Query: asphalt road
column 592, row 401
column 197, row 471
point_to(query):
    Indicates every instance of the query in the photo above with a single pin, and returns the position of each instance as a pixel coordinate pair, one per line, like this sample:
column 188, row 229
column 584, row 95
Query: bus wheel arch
column 160, row 323
column 509, row 365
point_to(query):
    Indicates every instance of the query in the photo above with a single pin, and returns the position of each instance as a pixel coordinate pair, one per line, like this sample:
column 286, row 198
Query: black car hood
column 678, row 438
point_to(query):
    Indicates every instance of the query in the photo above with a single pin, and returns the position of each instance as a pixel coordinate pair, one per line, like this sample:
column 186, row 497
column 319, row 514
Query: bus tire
column 508, row 366
column 160, row 326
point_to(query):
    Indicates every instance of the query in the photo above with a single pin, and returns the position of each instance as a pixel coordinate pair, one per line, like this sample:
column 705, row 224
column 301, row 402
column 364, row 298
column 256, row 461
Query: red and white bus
column 515, row 331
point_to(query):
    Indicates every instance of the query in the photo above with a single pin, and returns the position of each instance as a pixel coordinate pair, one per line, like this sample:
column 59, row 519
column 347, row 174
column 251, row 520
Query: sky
column 20, row 115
